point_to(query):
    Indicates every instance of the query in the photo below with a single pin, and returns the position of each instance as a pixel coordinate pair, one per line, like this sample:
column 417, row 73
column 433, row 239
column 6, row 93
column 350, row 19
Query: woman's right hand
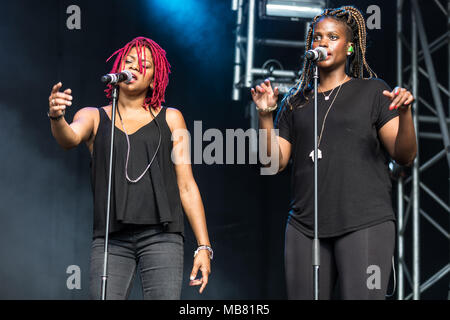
column 263, row 95
column 58, row 101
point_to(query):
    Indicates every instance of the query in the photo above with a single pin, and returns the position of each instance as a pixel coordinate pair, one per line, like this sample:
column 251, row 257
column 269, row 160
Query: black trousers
column 359, row 263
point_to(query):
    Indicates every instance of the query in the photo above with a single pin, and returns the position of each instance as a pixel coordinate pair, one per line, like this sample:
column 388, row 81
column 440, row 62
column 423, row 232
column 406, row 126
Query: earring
column 350, row 50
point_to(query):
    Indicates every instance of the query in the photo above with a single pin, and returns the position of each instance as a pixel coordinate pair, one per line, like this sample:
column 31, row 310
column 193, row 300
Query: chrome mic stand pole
column 108, row 206
column 316, row 242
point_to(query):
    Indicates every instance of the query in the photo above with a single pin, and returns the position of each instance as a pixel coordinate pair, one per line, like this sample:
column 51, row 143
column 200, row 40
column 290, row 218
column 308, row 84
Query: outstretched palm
column 263, row 95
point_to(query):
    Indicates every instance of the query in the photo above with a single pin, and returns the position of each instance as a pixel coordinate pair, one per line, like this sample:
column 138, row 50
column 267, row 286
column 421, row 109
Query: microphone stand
column 316, row 241
column 108, row 206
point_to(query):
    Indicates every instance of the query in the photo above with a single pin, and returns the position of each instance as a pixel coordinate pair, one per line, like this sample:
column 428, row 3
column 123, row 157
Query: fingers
column 266, row 83
column 200, row 263
column 266, row 86
column 396, row 97
column 63, row 95
column 260, row 89
column 264, row 96
column 56, row 94
column 195, row 282
column 276, row 92
column 54, row 110
column 263, row 87
column 56, row 87
column 57, row 111
column 60, row 102
column 205, row 275
column 409, row 100
column 203, row 281
column 388, row 94
column 194, row 272
column 402, row 98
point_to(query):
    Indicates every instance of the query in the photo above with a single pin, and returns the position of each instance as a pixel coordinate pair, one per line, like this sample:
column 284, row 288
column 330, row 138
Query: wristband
column 55, row 118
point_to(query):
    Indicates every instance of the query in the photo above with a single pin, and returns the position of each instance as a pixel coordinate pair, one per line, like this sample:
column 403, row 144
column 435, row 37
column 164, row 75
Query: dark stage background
column 46, row 202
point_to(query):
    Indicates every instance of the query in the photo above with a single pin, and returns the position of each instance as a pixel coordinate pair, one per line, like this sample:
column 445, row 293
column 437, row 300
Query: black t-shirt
column 354, row 187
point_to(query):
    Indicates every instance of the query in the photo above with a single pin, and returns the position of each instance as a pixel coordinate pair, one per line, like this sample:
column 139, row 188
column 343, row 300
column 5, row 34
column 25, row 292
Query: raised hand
column 264, row 97
column 400, row 97
column 58, row 101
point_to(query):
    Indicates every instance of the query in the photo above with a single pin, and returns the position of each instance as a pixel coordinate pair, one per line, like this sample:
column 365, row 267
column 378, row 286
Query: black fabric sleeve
column 283, row 122
column 382, row 105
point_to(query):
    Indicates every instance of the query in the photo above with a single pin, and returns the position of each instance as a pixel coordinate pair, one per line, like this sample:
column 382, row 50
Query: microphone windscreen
column 309, row 54
column 129, row 75
column 105, row 79
column 323, row 52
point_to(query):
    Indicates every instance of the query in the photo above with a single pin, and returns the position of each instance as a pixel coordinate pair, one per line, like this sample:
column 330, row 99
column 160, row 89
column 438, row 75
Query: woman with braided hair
column 149, row 192
column 361, row 122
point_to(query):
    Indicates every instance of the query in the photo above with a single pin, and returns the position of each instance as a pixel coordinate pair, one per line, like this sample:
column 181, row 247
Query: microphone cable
column 395, row 280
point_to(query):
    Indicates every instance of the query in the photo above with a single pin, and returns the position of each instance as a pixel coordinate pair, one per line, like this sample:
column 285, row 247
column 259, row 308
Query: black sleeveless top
column 154, row 199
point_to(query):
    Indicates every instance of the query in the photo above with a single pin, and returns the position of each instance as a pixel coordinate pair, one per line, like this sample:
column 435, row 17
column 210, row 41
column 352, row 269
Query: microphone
column 317, row 54
column 114, row 78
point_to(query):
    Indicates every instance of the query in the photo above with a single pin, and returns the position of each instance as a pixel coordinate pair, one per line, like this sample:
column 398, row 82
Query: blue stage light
column 193, row 24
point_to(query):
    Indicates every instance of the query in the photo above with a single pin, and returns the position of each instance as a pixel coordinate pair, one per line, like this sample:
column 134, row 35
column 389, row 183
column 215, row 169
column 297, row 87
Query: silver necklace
column 327, row 97
column 319, row 152
column 128, row 150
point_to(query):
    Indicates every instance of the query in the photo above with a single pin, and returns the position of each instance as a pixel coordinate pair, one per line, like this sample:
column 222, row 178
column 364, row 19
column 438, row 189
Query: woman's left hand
column 400, row 97
column 202, row 262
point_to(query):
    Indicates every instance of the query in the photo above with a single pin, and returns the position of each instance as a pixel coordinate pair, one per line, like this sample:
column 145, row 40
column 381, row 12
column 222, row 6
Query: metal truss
column 246, row 74
column 421, row 63
column 250, row 41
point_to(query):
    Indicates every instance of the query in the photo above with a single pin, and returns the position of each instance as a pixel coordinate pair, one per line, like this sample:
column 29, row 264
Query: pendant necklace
column 319, row 152
column 327, row 97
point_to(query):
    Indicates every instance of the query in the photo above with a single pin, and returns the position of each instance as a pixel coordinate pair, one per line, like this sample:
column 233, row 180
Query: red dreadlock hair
column 154, row 97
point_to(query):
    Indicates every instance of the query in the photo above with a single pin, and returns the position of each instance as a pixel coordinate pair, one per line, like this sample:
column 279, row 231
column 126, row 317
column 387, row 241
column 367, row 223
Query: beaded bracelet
column 204, row 247
column 270, row 109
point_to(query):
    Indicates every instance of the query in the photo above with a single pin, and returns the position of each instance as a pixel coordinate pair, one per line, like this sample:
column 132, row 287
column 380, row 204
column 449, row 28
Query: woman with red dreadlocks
column 149, row 191
column 361, row 122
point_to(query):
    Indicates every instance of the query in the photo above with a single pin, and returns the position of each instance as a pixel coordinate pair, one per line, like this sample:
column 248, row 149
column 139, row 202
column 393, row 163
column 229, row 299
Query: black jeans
column 157, row 254
column 359, row 262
